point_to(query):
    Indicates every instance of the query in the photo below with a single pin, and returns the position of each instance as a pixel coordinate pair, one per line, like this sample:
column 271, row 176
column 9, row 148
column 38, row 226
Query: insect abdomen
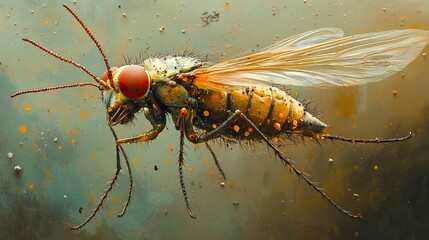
column 269, row 108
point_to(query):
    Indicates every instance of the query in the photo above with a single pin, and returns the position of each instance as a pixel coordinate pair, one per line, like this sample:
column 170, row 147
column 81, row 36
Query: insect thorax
column 164, row 68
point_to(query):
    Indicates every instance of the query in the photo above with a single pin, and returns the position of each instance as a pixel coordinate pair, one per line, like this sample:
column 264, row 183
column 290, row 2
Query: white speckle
column 330, row 160
column 31, row 11
column 161, row 29
column 17, row 169
column 65, row 196
column 183, row 31
column 384, row 9
column 124, row 14
column 10, row 155
column 355, row 194
column 424, row 54
column 55, row 139
column 222, row 184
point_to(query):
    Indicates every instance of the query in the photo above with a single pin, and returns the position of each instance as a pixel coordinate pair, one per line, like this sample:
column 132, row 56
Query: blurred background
column 66, row 153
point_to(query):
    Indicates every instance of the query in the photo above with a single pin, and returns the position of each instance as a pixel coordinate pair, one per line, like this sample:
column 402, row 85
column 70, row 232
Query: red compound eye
column 133, row 81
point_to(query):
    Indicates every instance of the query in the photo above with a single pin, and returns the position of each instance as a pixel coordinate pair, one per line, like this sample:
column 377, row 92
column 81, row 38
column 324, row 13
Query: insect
column 237, row 100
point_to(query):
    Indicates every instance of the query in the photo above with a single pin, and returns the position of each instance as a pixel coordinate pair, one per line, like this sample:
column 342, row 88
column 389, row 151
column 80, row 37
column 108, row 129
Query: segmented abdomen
column 269, row 108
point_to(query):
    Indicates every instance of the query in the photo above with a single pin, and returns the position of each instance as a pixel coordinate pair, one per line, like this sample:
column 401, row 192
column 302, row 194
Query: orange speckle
column 22, row 129
column 111, row 213
column 277, row 126
column 190, row 170
column 209, row 172
column 83, row 114
column 60, row 148
column 92, row 155
column 27, row 108
column 74, row 131
column 246, row 134
column 171, row 148
column 167, row 161
column 72, row 141
column 233, row 184
column 31, row 186
column 165, row 186
column 69, row 132
column 375, row 167
column 275, row 139
column 91, row 198
column 296, row 94
column 16, row 104
column 281, row 115
column 250, row 129
column 206, row 113
column 214, row 126
column 295, row 123
column 115, row 200
column 236, row 128
column 65, row 123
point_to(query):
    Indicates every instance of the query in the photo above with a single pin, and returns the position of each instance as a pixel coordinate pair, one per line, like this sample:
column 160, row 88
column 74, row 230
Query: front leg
column 157, row 119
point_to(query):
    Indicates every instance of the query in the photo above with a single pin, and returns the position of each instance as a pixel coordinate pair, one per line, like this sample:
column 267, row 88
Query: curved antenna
column 55, row 88
column 102, row 83
column 97, row 44
column 64, row 59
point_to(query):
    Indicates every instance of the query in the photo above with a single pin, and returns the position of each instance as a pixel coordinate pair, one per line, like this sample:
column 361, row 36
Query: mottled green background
column 391, row 181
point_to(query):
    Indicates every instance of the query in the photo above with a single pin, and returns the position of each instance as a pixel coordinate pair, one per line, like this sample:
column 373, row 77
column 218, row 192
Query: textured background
column 391, row 181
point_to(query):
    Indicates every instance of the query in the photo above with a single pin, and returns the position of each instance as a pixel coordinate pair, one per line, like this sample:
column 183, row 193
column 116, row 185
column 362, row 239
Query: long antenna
column 97, row 44
column 55, row 88
column 64, row 59
column 102, row 83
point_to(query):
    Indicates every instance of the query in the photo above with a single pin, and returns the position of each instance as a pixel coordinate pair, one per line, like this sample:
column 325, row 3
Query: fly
column 236, row 100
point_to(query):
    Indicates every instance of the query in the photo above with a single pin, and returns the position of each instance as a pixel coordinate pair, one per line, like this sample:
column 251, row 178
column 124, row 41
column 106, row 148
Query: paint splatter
column 207, row 18
column 22, row 129
column 83, row 114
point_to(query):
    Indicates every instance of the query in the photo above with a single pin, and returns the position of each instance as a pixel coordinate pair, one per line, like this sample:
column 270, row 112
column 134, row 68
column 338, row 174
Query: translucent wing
column 319, row 58
column 307, row 39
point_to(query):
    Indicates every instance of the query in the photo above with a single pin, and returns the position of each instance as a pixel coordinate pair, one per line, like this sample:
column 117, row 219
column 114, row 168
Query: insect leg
column 198, row 138
column 130, row 186
column 105, row 193
column 300, row 174
column 157, row 119
column 366, row 140
column 181, row 124
column 215, row 160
